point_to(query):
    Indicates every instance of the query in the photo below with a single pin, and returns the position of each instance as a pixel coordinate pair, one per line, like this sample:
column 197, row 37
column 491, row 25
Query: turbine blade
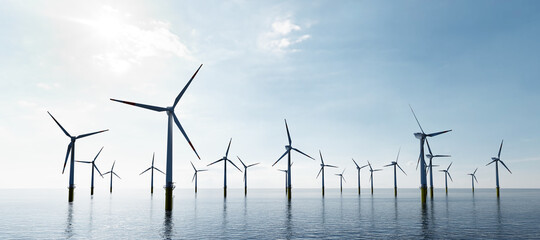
column 215, row 162
column 475, row 178
column 67, row 156
column 153, row 155
column 388, row 165
column 442, row 156
column 113, row 165
column 330, row 166
column 475, row 171
column 145, row 171
column 90, row 134
column 505, row 166
column 375, row 170
column 95, row 166
column 416, row 119
column 98, row 153
column 398, row 154
column 319, row 173
column 117, row 175
column 202, row 170
column 281, row 157
column 193, row 179
column 401, row 168
column 500, row 148
column 450, row 176
column 418, row 162
column 288, row 134
column 363, row 166
column 107, row 173
column 449, row 166
column 342, row 177
column 185, row 135
column 234, row 165
column 303, row 153
column 355, row 163
column 251, row 165
column 185, row 87
column 83, row 161
column 491, row 162
column 63, row 130
column 193, row 166
column 157, row 169
column 149, row 107
column 437, row 133
column 228, row 147
column 322, row 161
column 241, row 162
column 429, row 148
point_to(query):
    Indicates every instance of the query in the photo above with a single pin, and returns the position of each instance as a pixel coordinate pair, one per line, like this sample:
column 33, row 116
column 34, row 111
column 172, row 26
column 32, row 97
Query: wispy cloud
column 282, row 37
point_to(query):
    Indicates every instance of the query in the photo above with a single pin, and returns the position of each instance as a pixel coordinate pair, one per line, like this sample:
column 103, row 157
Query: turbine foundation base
column 92, row 191
column 498, row 192
column 423, row 192
column 168, row 198
column 71, row 191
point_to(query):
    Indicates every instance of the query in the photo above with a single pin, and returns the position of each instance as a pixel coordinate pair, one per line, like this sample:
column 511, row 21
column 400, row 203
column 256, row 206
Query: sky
column 342, row 73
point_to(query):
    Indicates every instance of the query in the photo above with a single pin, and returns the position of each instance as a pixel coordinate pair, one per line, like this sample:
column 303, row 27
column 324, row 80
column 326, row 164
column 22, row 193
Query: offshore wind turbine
column 395, row 164
column 371, row 177
column 196, row 175
column 496, row 160
column 341, row 179
column 288, row 149
column 152, row 168
column 93, row 162
column 112, row 173
column 430, row 167
column 358, row 169
column 446, row 175
column 245, row 173
column 286, row 175
column 322, row 170
column 171, row 116
column 71, row 149
column 225, row 160
column 422, row 137
column 473, row 178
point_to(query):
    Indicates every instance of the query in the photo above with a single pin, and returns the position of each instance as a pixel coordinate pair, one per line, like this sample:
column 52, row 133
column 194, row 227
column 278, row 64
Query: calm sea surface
column 266, row 214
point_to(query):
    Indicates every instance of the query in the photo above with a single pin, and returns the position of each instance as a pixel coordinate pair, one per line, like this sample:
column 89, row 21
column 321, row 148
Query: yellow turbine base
column 168, row 198
column 71, row 191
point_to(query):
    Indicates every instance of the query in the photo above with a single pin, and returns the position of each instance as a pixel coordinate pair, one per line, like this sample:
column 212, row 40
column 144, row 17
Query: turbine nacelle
column 495, row 159
column 288, row 147
column 419, row 135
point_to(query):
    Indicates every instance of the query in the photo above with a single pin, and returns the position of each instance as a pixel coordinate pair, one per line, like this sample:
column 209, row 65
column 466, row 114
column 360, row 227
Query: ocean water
column 267, row 214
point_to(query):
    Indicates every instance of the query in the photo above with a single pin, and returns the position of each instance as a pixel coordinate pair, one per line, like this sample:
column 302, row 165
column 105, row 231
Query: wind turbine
column 196, row 174
column 285, row 171
column 322, row 170
column 71, row 148
column 496, row 160
column 395, row 164
column 341, row 179
column 225, row 160
column 169, row 185
column 152, row 174
column 288, row 149
column 93, row 162
column 446, row 175
column 245, row 173
column 422, row 137
column 473, row 178
column 358, row 169
column 430, row 167
column 112, row 173
column 371, row 177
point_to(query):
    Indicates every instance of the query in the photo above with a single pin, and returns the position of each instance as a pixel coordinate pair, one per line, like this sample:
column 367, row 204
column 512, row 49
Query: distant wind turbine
column 245, row 173
column 196, row 175
column 395, row 164
column 371, row 177
column 341, row 179
column 422, row 137
column 151, row 168
column 169, row 185
column 496, row 160
column 225, row 160
column 285, row 171
column 446, row 175
column 430, row 167
column 71, row 148
column 112, row 173
column 93, row 162
column 473, row 178
column 288, row 149
column 358, row 168
column 322, row 170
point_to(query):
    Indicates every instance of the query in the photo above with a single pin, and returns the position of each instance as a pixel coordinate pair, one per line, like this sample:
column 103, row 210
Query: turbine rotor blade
column 67, row 156
column 416, row 119
column 98, row 153
column 149, row 107
column 303, row 153
column 475, row 178
column 288, row 134
column 322, row 161
column 398, row 154
column 401, row 168
column 157, row 169
column 505, row 166
column 116, row 175
column 82, row 161
column 355, row 163
column 437, row 133
column 95, row 166
column 228, row 147
column 449, row 176
column 241, row 162
column 185, row 87
column 288, row 150
column 319, row 173
column 194, row 174
column 330, row 166
column 193, row 166
column 234, row 165
column 491, row 162
column 475, row 171
column 429, row 148
column 145, row 171
column 185, row 135
column 500, row 148
column 251, row 165
column 90, row 134
column 215, row 162
column 63, row 130
column 449, row 166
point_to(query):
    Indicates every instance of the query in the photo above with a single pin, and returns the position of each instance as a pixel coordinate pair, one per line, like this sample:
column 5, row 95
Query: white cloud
column 282, row 37
column 47, row 86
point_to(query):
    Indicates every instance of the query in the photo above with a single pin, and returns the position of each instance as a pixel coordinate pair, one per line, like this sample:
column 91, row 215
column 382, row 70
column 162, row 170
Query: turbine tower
column 422, row 137
column 430, row 167
column 473, row 178
column 496, row 160
column 371, row 177
column 341, row 179
column 93, row 162
column 225, row 160
column 245, row 173
column 446, row 175
column 71, row 148
column 112, row 173
column 169, row 184
column 395, row 164
column 152, row 168
column 322, row 170
column 196, row 174
column 358, row 169
column 288, row 149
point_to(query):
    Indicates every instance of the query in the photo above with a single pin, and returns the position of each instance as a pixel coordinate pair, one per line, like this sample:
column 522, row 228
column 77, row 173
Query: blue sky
column 342, row 73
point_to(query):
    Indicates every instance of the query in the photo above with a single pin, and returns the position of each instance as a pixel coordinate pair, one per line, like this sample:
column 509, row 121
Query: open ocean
column 266, row 214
